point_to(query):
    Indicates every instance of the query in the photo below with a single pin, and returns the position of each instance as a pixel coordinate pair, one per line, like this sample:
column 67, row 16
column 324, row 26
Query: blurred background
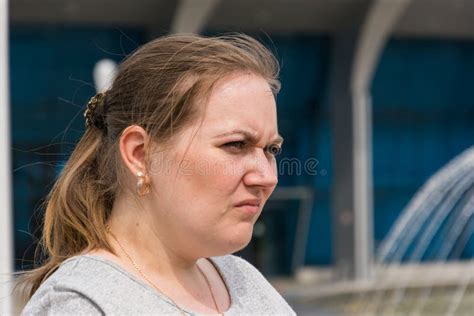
column 374, row 212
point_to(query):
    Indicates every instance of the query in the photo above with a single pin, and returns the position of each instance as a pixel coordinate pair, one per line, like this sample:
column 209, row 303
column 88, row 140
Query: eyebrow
column 251, row 135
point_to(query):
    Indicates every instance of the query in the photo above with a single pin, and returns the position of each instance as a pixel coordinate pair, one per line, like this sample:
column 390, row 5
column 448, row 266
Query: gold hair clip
column 90, row 109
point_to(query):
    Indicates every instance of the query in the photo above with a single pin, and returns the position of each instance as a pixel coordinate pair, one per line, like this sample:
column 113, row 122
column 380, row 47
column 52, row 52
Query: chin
column 231, row 242
column 240, row 239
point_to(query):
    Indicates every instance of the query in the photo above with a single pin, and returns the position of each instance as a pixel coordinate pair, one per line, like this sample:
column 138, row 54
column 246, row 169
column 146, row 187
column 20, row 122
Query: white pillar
column 6, row 231
column 374, row 34
column 356, row 52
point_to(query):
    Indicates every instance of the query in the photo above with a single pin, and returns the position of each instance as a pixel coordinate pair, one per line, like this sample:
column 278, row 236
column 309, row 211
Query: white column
column 356, row 52
column 374, row 34
column 6, row 210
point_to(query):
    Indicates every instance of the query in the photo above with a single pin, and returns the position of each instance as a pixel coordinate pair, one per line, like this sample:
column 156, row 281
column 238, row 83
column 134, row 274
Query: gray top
column 93, row 285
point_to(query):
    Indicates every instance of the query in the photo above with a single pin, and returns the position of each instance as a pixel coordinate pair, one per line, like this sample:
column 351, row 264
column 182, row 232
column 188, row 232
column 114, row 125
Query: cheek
column 210, row 180
column 219, row 169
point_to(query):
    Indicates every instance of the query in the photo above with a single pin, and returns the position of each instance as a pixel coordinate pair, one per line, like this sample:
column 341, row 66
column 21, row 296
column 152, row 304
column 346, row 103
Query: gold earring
column 143, row 185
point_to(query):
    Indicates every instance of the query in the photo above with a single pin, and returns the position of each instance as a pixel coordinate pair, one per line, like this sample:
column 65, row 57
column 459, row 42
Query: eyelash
column 241, row 144
column 272, row 149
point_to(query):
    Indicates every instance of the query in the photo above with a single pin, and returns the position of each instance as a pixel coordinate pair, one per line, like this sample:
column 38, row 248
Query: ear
column 133, row 143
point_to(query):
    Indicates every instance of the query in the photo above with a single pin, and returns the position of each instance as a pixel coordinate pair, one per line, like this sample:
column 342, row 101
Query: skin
column 190, row 214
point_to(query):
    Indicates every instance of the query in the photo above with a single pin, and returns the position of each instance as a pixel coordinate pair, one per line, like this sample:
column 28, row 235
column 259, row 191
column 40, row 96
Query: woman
column 175, row 166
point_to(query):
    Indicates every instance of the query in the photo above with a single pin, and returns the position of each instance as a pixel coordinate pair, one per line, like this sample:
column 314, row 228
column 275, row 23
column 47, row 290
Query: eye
column 273, row 149
column 236, row 145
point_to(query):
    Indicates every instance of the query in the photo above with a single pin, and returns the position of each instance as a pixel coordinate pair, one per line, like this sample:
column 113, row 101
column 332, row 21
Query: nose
column 262, row 171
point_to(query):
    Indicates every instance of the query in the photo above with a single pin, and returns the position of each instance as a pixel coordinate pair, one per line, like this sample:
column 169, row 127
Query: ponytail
column 76, row 211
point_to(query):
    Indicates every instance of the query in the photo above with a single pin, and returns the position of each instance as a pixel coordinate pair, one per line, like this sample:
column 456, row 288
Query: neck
column 148, row 245
column 146, row 249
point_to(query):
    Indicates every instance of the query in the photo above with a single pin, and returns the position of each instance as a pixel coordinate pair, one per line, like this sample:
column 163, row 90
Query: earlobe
column 143, row 184
column 132, row 146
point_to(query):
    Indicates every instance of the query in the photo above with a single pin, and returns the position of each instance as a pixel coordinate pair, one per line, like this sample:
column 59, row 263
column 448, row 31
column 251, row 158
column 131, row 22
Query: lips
column 250, row 202
column 250, row 207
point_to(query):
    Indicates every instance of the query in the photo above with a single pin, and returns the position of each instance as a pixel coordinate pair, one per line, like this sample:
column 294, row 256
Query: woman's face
column 211, row 185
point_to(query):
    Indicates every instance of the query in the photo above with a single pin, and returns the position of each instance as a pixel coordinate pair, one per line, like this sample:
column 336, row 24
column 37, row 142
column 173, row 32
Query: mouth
column 250, row 206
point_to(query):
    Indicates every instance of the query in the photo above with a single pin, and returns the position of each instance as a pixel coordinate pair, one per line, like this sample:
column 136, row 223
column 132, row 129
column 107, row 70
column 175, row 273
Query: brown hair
column 156, row 87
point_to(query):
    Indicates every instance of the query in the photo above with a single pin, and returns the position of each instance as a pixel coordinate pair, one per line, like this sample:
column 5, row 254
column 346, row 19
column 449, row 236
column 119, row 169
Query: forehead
column 241, row 101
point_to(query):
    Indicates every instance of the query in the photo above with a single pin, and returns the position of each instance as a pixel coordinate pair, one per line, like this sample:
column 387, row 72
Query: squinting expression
column 221, row 170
